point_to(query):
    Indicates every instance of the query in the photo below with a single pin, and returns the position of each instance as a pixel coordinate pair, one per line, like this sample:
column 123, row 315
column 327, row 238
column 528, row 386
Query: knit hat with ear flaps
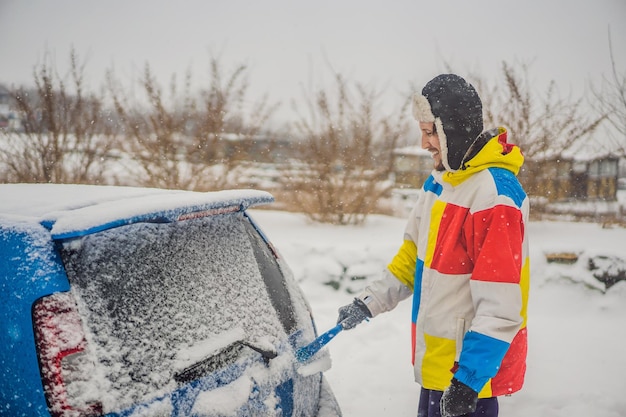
column 454, row 106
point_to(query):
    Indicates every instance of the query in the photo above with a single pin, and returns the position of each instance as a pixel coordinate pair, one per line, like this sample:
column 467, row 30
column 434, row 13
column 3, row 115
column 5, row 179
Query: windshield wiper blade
column 267, row 355
column 225, row 357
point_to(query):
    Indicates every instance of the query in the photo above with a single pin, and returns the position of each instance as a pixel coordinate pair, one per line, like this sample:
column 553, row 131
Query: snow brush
column 307, row 352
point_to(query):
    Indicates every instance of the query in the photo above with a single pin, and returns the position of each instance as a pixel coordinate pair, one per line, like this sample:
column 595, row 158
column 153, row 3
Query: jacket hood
column 456, row 109
column 496, row 153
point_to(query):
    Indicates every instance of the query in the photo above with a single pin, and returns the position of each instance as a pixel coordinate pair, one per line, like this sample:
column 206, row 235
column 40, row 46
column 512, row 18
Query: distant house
column 9, row 119
column 412, row 165
column 585, row 176
column 5, row 109
column 581, row 178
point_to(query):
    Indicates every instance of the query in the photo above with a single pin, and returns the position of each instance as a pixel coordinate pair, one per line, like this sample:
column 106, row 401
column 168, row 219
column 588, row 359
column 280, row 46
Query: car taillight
column 61, row 345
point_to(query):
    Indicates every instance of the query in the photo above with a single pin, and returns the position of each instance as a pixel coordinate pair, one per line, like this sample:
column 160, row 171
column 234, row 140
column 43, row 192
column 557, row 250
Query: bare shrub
column 187, row 140
column 345, row 155
column 66, row 134
column 546, row 124
column 610, row 99
column 543, row 126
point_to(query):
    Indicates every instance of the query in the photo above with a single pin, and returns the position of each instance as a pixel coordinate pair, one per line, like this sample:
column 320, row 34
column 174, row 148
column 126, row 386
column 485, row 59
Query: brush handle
column 306, row 352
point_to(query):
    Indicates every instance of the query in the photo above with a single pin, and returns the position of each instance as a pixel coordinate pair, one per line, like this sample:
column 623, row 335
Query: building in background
column 9, row 119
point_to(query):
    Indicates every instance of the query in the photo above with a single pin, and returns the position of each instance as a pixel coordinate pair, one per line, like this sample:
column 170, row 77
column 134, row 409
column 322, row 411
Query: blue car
column 121, row 301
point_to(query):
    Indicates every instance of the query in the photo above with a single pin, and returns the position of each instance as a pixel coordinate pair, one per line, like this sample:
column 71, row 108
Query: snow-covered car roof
column 76, row 210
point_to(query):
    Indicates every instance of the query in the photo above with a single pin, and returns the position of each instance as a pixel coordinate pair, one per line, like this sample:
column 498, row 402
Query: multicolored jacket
column 465, row 260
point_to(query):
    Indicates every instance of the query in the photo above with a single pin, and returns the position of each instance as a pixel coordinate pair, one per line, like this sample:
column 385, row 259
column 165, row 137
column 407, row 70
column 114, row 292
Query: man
column 464, row 259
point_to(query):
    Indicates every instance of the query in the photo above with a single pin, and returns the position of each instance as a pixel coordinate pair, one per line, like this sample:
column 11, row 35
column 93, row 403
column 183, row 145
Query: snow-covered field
column 577, row 333
column 577, row 330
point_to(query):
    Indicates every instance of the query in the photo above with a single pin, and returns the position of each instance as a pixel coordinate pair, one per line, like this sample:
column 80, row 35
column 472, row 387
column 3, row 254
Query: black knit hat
column 454, row 106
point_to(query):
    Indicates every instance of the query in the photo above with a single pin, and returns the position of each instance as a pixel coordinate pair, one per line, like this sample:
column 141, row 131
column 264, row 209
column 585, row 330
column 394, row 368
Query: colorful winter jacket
column 465, row 260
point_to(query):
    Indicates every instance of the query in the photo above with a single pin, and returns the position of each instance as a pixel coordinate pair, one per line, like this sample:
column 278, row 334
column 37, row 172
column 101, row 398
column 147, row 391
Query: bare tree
column 186, row 140
column 153, row 136
column 610, row 99
column 539, row 124
column 346, row 155
column 544, row 126
column 66, row 133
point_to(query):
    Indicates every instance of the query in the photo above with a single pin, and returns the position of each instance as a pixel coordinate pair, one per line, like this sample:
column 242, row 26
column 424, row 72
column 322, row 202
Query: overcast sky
column 288, row 44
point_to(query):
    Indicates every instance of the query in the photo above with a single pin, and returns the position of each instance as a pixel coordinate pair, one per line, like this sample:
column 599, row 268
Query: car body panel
column 32, row 260
column 39, row 218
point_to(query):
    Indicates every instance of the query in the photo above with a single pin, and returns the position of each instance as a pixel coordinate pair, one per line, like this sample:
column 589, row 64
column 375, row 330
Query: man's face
column 430, row 142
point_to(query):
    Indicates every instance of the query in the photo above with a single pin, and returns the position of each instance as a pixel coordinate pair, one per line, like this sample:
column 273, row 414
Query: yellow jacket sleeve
column 402, row 265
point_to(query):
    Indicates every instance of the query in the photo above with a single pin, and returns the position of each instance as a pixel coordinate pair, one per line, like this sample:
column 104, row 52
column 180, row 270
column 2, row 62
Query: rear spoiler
column 160, row 208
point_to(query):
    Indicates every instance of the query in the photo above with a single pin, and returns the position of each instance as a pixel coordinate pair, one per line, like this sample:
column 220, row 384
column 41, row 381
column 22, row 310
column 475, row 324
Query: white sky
column 289, row 44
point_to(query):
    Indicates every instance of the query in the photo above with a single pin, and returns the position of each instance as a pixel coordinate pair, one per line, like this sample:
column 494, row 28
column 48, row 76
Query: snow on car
column 126, row 301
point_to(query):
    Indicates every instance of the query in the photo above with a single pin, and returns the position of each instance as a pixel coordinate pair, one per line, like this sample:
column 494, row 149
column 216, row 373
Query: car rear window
column 151, row 293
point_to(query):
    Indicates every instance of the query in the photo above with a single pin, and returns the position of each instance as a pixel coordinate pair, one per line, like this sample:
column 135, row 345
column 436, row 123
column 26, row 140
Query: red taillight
column 61, row 343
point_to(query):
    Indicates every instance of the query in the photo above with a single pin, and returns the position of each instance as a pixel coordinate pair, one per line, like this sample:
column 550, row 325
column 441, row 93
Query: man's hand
column 352, row 314
column 458, row 399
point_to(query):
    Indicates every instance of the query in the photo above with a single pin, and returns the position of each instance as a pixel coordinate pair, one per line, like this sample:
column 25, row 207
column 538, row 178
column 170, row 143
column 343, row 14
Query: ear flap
column 422, row 112
column 421, row 109
column 443, row 143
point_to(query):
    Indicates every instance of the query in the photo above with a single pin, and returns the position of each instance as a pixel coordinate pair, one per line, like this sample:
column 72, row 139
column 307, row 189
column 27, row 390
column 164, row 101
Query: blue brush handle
column 306, row 352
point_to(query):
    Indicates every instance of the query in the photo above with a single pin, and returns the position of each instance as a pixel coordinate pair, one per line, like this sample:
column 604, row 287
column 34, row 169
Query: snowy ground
column 577, row 333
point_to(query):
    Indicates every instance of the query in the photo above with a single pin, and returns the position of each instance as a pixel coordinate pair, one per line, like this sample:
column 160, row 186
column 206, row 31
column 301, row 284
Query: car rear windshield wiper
column 225, row 357
column 266, row 354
